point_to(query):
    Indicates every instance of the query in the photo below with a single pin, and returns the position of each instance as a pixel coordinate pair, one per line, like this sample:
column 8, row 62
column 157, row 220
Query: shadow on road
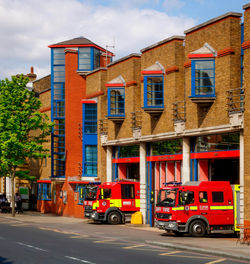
column 170, row 234
column 5, row 261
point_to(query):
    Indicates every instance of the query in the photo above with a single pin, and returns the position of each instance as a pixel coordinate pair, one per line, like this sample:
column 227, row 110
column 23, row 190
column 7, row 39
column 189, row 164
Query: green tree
column 23, row 129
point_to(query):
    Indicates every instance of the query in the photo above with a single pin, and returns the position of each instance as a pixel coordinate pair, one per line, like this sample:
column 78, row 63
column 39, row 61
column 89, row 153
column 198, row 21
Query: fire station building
column 178, row 111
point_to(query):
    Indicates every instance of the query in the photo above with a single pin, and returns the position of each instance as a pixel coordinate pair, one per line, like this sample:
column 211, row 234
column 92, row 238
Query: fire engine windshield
column 167, row 198
column 90, row 193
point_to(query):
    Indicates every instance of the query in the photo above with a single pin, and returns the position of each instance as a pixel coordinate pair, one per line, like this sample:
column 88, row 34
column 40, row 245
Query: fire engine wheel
column 114, row 218
column 197, row 228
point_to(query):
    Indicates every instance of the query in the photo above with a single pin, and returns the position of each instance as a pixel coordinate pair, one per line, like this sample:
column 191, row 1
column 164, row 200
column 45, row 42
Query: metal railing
column 235, row 100
column 136, row 119
column 103, row 126
column 179, row 111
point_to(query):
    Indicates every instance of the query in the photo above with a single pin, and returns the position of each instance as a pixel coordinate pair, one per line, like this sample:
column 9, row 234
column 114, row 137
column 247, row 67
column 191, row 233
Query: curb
column 198, row 250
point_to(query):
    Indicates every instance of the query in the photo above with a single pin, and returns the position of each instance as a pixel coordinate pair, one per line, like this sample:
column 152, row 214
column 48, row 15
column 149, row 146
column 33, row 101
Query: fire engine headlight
column 94, row 215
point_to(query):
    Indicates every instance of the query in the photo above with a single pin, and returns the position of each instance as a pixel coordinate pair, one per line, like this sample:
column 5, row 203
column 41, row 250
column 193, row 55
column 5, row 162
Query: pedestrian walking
column 18, row 200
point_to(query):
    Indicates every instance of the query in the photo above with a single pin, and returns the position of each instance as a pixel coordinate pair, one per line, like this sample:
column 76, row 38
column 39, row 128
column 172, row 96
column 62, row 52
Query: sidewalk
column 224, row 246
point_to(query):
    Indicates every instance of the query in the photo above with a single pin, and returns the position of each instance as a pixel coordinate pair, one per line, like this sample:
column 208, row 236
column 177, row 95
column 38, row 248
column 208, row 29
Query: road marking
column 79, row 236
column 135, row 246
column 185, row 256
column 79, row 260
column 111, row 241
column 30, row 246
column 21, row 224
column 169, row 253
column 216, row 261
column 104, row 241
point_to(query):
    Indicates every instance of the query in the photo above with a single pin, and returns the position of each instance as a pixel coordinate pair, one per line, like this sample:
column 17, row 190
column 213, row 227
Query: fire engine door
column 188, row 206
column 104, row 199
column 128, row 197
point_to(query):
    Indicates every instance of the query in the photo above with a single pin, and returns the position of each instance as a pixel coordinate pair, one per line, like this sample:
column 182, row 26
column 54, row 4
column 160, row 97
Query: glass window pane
column 155, row 91
column 117, row 101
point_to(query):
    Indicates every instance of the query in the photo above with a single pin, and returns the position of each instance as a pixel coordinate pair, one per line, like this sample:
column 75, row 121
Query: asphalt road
column 26, row 243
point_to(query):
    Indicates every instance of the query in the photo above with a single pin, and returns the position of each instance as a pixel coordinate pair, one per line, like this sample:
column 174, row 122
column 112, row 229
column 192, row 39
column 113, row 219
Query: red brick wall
column 75, row 87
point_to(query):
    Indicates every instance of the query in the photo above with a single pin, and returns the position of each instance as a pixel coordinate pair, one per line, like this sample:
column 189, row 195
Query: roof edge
column 162, row 42
column 125, row 58
column 92, row 72
column 246, row 6
column 213, row 20
column 37, row 80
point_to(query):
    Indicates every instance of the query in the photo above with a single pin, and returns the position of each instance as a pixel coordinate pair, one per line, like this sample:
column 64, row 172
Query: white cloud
column 27, row 28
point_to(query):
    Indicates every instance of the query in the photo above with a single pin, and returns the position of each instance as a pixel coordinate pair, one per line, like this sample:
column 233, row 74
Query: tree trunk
column 12, row 175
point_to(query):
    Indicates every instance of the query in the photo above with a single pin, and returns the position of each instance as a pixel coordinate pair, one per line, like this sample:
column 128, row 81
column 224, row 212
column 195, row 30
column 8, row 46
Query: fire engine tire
column 197, row 228
column 114, row 218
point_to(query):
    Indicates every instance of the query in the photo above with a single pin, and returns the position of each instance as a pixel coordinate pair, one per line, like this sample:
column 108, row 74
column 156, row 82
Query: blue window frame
column 153, row 91
column 90, row 120
column 58, row 109
column 203, row 78
column 90, row 164
column 116, row 101
column 44, row 191
column 85, row 60
column 97, row 55
column 81, row 191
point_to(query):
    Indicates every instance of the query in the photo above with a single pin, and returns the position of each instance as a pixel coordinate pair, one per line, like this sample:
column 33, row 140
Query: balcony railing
column 136, row 119
column 179, row 111
column 103, row 126
column 235, row 100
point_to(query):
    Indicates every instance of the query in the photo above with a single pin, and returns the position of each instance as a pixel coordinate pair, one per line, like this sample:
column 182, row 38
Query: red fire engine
column 116, row 201
column 198, row 208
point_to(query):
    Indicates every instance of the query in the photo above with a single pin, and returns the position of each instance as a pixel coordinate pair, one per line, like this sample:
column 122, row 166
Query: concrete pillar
column 241, row 178
column 186, row 160
column 8, row 188
column 143, row 181
column 109, row 164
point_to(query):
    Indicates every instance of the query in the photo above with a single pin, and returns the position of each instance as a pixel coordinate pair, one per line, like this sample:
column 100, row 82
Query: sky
column 27, row 27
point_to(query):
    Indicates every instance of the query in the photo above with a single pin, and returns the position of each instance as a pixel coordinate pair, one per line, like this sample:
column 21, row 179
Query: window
column 44, row 191
column 59, row 92
column 58, row 56
column 203, row 197
column 58, row 110
column 116, row 102
column 203, row 78
column 153, row 91
column 128, row 191
column 186, row 197
column 84, row 59
column 217, row 197
column 128, row 151
column 90, row 167
column 97, row 54
column 217, row 142
column 59, row 73
column 105, row 194
column 81, row 193
column 167, row 147
column 90, row 120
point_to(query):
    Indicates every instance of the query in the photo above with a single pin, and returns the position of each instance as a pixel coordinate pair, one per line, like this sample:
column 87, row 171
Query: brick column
column 246, row 133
